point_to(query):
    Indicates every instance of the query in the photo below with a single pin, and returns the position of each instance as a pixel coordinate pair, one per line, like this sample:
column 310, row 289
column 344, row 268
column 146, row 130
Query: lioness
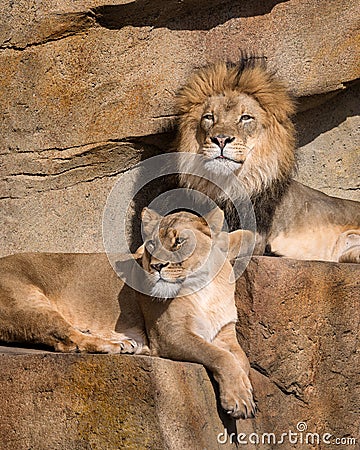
column 191, row 315
column 71, row 302
column 238, row 118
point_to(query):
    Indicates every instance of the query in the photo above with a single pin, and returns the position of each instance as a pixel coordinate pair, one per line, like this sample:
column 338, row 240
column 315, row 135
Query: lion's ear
column 237, row 243
column 150, row 219
column 215, row 219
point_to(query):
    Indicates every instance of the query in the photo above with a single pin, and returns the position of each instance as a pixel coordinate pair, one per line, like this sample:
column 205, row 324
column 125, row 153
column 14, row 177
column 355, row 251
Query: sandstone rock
column 54, row 200
column 298, row 322
column 329, row 145
column 75, row 75
column 83, row 83
column 103, row 402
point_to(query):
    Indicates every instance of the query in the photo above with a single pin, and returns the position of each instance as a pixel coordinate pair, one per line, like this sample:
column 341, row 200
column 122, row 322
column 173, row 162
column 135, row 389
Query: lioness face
column 174, row 252
column 228, row 127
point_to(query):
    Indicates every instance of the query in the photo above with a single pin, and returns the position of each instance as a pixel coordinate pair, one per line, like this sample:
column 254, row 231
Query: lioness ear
column 215, row 219
column 139, row 252
column 237, row 243
column 149, row 220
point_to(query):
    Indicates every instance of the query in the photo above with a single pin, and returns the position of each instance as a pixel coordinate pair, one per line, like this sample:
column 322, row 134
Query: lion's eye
column 245, row 118
column 208, row 116
column 179, row 241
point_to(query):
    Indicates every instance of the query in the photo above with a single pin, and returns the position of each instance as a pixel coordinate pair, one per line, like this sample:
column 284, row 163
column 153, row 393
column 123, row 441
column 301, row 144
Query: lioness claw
column 128, row 346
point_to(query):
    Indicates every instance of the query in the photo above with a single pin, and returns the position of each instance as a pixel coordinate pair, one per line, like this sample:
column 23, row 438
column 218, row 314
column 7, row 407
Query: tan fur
column 246, row 108
column 198, row 323
column 67, row 302
column 75, row 302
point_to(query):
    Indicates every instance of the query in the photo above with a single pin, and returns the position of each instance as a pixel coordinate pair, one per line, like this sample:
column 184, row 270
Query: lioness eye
column 150, row 245
column 245, row 118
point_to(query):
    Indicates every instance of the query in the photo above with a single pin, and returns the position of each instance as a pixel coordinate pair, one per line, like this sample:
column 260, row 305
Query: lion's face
column 238, row 119
column 229, row 126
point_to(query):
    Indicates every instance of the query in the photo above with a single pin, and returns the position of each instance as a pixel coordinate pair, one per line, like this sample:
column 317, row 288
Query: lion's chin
column 165, row 289
column 222, row 166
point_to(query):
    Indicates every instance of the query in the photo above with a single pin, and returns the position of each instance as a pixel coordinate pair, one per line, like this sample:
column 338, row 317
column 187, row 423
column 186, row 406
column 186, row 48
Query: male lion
column 191, row 315
column 238, row 119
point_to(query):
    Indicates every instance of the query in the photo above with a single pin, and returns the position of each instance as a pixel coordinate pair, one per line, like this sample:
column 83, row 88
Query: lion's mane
column 268, row 168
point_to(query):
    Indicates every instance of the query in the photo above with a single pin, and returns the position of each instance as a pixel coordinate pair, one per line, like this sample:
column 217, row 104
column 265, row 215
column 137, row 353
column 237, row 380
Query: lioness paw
column 242, row 407
column 238, row 399
column 128, row 346
column 352, row 255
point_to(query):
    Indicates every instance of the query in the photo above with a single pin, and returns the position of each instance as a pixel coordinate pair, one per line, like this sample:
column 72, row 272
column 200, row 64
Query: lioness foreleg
column 234, row 384
column 227, row 340
column 352, row 255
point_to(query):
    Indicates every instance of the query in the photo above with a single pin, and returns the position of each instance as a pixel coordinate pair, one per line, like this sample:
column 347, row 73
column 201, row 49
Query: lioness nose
column 221, row 140
column 158, row 266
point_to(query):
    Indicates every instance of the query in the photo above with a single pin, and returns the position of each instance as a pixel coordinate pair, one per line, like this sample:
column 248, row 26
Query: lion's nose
column 221, row 140
column 159, row 266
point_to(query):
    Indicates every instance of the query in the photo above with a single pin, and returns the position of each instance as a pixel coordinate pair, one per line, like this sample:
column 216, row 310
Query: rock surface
column 299, row 324
column 104, row 402
column 329, row 147
column 87, row 89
